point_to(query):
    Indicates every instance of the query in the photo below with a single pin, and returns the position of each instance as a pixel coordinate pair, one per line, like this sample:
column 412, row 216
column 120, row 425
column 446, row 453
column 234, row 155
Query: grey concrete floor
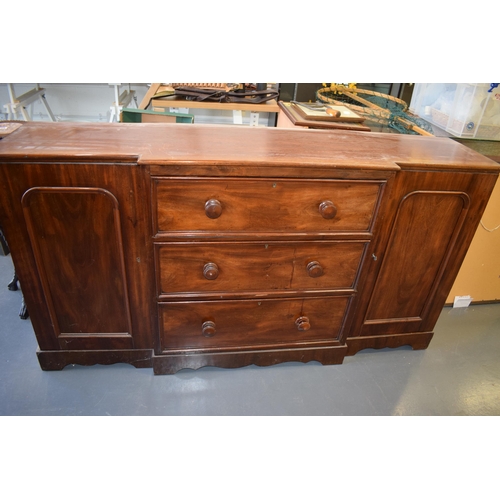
column 459, row 374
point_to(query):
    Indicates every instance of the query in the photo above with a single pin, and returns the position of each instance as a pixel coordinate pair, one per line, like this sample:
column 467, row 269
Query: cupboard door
column 422, row 240
column 75, row 234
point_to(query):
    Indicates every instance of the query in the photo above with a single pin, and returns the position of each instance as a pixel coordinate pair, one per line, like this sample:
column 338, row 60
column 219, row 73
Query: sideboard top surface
column 178, row 144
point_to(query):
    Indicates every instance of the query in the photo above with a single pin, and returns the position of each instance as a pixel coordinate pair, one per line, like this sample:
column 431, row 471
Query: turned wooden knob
column 303, row 323
column 213, row 209
column 208, row 329
column 327, row 209
column 210, row 271
column 314, row 269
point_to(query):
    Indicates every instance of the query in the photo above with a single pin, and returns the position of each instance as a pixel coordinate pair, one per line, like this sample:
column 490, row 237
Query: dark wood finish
column 417, row 341
column 210, row 271
column 407, row 278
column 252, row 267
column 172, row 363
column 303, row 323
column 213, row 209
column 190, row 149
column 179, row 246
column 74, row 250
column 244, row 324
column 327, row 210
column 76, row 237
column 208, row 329
column 429, row 222
column 263, row 205
column 57, row 360
column 314, row 269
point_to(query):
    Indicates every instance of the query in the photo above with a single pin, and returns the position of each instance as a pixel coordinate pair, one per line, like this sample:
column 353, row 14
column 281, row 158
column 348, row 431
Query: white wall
column 91, row 102
column 71, row 102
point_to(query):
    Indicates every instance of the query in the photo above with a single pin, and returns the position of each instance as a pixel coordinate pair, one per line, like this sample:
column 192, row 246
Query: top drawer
column 263, row 205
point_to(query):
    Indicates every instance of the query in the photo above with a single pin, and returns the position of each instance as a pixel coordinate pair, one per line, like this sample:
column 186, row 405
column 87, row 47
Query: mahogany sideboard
column 180, row 246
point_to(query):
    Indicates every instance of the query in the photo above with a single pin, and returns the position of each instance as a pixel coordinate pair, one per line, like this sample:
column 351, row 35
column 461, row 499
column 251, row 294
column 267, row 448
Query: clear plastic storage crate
column 468, row 110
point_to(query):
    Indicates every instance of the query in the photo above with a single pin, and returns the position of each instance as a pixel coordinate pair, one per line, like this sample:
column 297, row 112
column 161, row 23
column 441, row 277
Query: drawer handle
column 314, row 269
column 213, row 209
column 303, row 323
column 208, row 329
column 210, row 271
column 327, row 209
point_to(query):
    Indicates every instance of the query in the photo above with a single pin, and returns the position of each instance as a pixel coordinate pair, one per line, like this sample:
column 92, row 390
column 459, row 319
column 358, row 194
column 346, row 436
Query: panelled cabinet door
column 434, row 220
column 422, row 239
column 75, row 233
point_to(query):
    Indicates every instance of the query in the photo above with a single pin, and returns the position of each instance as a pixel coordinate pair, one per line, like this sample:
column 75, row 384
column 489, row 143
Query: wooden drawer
column 240, row 324
column 201, row 268
column 263, row 205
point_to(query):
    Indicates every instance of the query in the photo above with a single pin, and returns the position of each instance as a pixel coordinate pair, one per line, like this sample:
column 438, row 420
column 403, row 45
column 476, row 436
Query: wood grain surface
column 245, row 324
column 182, row 246
column 263, row 205
column 270, row 267
column 183, row 144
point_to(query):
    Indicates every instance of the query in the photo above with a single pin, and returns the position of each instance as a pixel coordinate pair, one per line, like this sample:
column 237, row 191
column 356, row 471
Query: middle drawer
column 200, row 268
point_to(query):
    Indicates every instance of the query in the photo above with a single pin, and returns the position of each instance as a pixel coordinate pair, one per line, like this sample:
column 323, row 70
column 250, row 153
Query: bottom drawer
column 252, row 323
